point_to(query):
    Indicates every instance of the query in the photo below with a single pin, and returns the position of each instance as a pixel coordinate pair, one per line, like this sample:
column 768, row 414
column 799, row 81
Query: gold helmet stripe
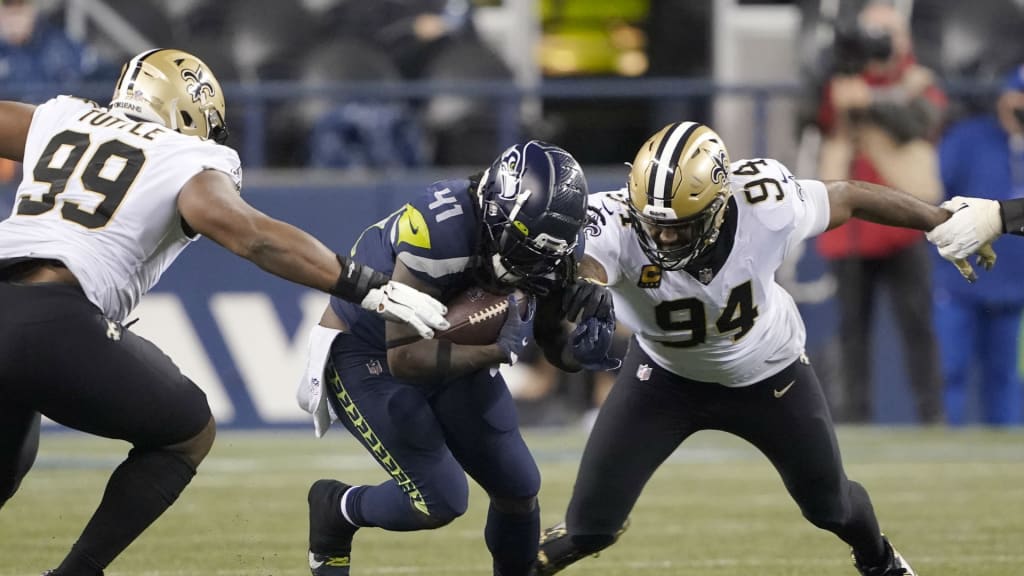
column 134, row 68
column 659, row 187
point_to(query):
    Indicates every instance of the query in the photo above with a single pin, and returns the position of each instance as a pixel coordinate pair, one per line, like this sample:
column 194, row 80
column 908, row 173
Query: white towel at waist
column 312, row 393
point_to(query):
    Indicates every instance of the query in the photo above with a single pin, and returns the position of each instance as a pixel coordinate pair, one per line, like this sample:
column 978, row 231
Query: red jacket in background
column 858, row 238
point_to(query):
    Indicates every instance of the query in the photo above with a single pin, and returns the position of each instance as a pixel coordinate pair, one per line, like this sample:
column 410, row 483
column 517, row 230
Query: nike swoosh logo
column 782, row 392
column 415, row 229
column 313, row 562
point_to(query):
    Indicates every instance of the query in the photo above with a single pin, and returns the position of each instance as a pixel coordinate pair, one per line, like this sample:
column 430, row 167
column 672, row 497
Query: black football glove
column 516, row 332
column 585, row 299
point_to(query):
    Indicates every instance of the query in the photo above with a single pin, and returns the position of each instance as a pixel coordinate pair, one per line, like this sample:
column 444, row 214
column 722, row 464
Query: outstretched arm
column 880, row 204
column 15, row 119
column 212, row 207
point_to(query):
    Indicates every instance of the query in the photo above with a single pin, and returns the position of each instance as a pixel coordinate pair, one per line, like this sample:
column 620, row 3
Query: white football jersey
column 734, row 325
column 100, row 194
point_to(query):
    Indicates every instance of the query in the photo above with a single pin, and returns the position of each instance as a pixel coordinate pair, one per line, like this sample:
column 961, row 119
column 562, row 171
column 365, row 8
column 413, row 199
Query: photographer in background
column 879, row 112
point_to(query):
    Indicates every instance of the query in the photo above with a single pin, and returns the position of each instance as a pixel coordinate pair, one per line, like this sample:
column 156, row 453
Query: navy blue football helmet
column 533, row 202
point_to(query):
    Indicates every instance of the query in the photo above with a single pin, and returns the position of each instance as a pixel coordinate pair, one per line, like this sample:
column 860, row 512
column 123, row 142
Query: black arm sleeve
column 356, row 280
column 1013, row 216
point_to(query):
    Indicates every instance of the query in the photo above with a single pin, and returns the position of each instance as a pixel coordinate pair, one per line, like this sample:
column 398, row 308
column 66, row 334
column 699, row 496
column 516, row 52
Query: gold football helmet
column 172, row 88
column 678, row 192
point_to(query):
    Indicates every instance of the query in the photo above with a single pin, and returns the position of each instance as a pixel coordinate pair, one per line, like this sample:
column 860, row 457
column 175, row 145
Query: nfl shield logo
column 374, row 367
column 643, row 372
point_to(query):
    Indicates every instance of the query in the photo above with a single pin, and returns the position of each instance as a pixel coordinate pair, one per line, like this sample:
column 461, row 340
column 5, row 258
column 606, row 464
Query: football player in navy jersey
column 689, row 251
column 430, row 413
column 110, row 198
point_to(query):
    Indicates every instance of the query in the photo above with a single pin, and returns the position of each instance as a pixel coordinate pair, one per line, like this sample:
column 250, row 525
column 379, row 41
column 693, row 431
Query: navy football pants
column 427, row 438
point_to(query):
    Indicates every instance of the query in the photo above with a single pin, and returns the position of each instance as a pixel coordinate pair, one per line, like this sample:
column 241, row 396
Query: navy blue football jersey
column 435, row 236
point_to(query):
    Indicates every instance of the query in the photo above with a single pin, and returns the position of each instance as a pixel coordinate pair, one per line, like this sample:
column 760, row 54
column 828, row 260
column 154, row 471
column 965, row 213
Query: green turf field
column 952, row 501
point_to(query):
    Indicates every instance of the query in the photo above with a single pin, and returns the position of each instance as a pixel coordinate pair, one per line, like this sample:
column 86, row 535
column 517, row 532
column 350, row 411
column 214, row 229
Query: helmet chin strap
column 479, row 186
column 520, row 200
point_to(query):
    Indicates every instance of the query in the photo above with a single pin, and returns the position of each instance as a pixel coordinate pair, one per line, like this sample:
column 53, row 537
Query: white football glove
column 975, row 223
column 397, row 302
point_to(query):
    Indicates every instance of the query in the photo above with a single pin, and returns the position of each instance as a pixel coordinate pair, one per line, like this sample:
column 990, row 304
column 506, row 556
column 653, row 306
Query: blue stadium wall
column 241, row 334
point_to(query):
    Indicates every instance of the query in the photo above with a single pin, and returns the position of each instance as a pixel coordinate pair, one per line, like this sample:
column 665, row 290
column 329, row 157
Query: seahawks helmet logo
column 199, row 87
column 510, row 171
column 720, row 169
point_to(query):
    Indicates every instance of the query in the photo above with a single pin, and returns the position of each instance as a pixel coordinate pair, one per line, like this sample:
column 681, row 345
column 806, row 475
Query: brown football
column 476, row 316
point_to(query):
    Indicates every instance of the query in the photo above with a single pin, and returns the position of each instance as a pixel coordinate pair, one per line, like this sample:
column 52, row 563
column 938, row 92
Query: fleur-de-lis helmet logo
column 721, row 168
column 199, row 87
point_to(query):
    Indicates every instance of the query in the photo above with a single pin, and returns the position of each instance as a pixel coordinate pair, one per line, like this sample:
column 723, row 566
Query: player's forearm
column 432, row 360
column 1012, row 212
column 290, row 253
column 882, row 205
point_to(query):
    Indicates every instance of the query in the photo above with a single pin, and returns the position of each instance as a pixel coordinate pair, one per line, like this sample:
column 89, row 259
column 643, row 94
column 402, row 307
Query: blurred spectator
column 878, row 113
column 32, row 51
column 430, row 40
column 463, row 130
column 978, row 325
column 34, row 55
column 413, row 32
column 370, row 135
column 356, row 133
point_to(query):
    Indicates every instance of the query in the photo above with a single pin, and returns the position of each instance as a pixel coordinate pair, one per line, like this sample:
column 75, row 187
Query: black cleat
column 894, row 565
column 558, row 552
column 326, row 524
column 328, row 565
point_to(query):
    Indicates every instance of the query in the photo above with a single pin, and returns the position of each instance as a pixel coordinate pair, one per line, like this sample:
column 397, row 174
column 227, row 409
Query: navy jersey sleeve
column 436, row 234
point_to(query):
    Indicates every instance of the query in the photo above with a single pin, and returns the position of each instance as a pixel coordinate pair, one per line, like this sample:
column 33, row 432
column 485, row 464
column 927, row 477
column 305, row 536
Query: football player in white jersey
column 689, row 251
column 110, row 197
